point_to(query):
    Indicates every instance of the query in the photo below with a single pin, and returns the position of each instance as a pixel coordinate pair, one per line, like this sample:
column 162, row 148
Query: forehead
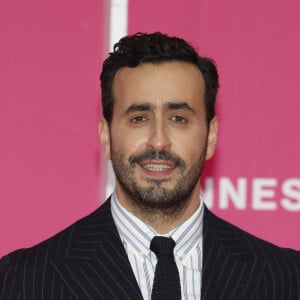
column 167, row 81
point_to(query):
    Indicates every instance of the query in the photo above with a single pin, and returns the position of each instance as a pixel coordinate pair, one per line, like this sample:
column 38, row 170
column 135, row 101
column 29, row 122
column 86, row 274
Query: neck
column 164, row 223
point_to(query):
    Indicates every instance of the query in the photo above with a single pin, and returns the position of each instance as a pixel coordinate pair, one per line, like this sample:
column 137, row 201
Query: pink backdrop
column 50, row 58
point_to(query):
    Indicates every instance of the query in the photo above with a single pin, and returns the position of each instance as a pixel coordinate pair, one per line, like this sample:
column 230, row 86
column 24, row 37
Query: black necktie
column 166, row 284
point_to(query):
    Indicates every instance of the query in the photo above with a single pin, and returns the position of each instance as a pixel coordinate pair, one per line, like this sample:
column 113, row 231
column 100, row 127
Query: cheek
column 128, row 143
column 191, row 141
column 191, row 152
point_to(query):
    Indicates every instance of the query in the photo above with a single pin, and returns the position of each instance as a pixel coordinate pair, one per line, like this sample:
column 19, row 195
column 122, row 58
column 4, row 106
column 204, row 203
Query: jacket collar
column 96, row 265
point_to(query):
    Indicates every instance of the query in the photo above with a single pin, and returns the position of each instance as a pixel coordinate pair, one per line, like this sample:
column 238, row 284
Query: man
column 159, row 127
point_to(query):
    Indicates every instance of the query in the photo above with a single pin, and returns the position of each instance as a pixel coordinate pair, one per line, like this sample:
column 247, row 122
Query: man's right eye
column 138, row 119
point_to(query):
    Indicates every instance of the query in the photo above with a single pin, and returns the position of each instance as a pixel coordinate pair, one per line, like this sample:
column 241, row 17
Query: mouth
column 157, row 167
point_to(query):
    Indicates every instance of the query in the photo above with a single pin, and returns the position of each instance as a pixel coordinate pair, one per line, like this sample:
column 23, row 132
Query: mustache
column 156, row 155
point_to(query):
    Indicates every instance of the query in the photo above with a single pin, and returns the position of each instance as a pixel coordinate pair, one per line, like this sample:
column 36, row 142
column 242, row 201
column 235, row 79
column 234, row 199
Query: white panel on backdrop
column 118, row 20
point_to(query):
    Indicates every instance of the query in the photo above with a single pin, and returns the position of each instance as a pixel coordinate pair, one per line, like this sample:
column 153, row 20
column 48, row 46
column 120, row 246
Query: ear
column 104, row 135
column 212, row 138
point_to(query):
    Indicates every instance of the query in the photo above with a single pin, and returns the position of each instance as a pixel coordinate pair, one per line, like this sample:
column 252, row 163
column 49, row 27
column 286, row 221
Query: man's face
column 158, row 138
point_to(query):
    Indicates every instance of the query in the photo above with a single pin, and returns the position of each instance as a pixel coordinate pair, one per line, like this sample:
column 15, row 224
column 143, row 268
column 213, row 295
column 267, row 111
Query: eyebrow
column 167, row 106
column 139, row 107
column 178, row 105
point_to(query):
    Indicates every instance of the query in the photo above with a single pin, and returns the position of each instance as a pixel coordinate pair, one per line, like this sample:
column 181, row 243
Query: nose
column 158, row 137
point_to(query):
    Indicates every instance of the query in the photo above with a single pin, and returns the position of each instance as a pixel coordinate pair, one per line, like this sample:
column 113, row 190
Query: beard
column 154, row 198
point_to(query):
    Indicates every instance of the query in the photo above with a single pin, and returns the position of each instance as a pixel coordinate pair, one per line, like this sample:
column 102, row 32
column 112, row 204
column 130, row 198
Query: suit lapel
column 232, row 266
column 97, row 266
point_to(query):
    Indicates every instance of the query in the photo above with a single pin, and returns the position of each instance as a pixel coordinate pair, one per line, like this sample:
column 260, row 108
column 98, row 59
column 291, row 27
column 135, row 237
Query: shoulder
column 273, row 271
column 56, row 247
column 254, row 245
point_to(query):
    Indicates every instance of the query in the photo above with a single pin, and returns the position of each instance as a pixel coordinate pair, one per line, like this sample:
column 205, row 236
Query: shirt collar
column 139, row 234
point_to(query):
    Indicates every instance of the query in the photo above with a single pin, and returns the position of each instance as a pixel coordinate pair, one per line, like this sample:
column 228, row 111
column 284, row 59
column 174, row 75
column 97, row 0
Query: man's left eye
column 178, row 119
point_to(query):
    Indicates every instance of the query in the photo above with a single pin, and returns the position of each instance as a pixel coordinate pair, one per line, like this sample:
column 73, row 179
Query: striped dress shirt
column 136, row 237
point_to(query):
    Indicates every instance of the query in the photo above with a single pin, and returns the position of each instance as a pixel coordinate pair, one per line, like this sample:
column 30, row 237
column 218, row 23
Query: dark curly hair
column 133, row 50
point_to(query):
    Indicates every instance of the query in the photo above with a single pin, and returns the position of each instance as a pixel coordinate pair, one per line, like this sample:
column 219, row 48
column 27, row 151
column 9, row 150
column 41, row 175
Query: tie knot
column 163, row 247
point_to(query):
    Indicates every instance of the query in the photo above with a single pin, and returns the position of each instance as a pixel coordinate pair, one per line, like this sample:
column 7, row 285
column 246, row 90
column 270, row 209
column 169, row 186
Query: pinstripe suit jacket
column 88, row 261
